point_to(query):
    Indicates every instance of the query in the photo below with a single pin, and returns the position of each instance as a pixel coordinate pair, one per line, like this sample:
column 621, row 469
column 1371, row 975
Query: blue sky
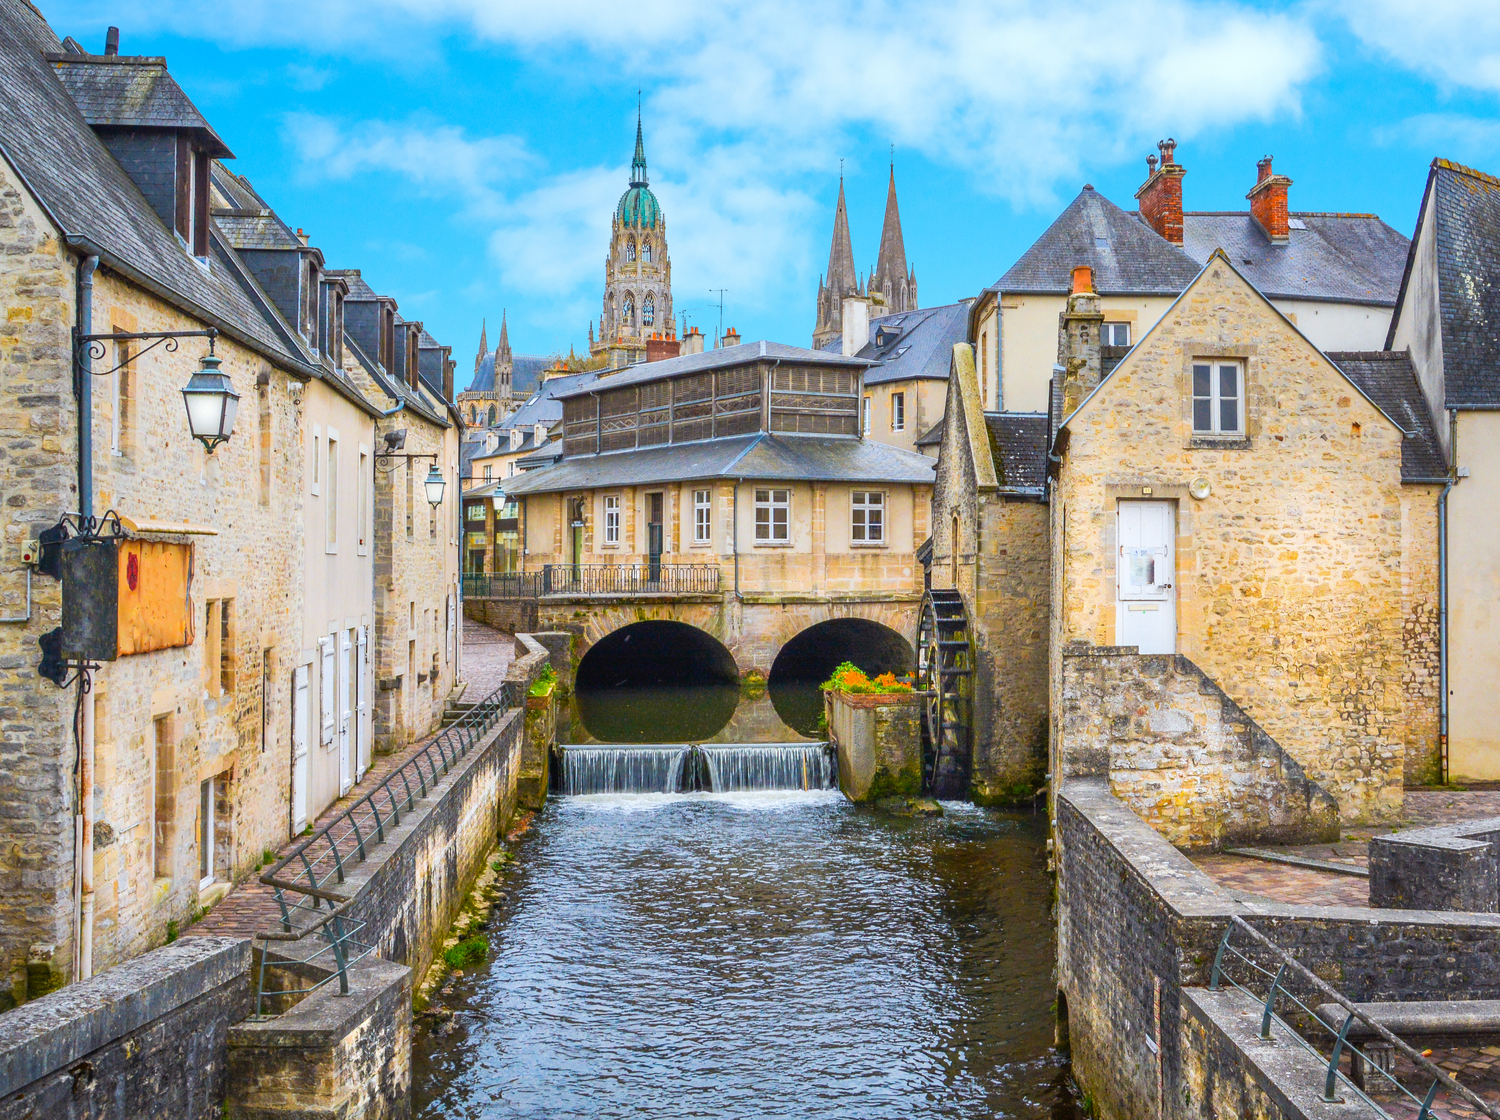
column 467, row 154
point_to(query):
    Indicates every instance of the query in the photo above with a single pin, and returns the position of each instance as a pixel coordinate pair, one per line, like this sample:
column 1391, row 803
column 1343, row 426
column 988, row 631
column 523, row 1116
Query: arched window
column 648, row 311
column 646, row 251
column 492, row 414
column 630, row 249
column 629, row 316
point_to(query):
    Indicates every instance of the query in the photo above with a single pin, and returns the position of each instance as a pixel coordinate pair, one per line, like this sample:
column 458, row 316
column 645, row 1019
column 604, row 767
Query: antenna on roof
column 719, row 337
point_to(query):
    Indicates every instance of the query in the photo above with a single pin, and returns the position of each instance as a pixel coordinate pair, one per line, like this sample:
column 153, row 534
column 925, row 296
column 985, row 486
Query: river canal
column 750, row 955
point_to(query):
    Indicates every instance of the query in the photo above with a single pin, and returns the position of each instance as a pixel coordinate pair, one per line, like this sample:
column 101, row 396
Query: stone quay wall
column 1138, row 927
column 1182, row 754
column 145, row 1039
column 510, row 616
column 1450, row 867
column 879, row 743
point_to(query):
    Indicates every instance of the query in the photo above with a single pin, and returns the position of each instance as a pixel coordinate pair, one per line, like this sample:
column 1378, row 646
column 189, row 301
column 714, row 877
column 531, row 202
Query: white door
column 362, row 701
column 346, row 770
column 1146, row 568
column 299, row 748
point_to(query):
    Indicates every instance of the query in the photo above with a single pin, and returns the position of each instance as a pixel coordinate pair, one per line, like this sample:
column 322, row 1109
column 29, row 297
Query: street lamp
column 211, row 403
column 434, row 484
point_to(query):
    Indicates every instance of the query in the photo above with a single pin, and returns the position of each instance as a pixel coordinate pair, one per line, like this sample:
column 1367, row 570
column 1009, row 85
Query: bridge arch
column 812, row 654
column 659, row 655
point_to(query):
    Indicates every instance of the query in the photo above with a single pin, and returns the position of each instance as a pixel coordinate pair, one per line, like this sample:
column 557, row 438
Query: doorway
column 575, row 535
column 1146, row 576
column 653, row 536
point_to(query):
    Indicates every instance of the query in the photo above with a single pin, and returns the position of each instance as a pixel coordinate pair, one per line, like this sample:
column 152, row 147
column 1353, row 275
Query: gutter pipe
column 1443, row 630
column 83, row 833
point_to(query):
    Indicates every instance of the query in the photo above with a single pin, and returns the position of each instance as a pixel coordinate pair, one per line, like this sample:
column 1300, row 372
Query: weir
column 691, row 767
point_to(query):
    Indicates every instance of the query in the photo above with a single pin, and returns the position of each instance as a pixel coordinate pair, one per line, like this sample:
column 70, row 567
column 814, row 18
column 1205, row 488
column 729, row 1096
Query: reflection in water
column 652, row 714
column 799, row 704
column 759, row 955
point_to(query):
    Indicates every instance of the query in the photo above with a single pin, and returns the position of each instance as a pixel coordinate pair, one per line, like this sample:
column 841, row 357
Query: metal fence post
column 1265, row 1019
column 1333, row 1062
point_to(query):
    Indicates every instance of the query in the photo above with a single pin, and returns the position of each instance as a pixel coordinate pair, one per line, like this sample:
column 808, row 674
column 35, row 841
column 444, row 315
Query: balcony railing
column 503, row 585
column 630, row 579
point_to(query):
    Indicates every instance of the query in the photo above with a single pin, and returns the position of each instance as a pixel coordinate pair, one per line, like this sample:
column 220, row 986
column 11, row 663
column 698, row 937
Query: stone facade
column 1449, row 867
column 879, row 743
column 1182, row 754
column 1291, row 585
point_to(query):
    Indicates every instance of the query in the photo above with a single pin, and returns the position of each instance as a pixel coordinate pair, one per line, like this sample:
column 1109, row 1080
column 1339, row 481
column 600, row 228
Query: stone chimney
column 658, row 348
column 1268, row 202
column 1078, row 340
column 856, row 324
column 731, row 338
column 692, row 342
column 112, row 42
column 1160, row 196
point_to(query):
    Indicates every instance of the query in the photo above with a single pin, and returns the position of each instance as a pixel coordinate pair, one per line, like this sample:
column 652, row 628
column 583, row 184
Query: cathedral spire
column 638, row 165
column 841, row 275
column 502, row 348
column 891, row 279
column 484, row 346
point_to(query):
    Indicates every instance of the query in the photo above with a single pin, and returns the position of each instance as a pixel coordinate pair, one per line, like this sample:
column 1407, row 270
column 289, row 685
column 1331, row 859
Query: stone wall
column 1449, row 867
column 509, row 616
column 1182, row 754
column 144, row 1041
column 1421, row 679
column 879, row 743
column 1290, row 582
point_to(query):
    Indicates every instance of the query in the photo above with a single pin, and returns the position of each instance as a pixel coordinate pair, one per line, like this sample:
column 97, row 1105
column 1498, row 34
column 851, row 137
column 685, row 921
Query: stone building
column 130, row 806
column 891, row 288
column 906, row 383
column 1226, row 493
column 1335, row 275
column 637, row 273
column 501, row 379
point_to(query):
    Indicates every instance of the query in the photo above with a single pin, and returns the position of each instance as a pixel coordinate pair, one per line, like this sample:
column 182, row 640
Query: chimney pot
column 112, row 41
column 1083, row 279
column 1168, row 148
column 1160, row 196
column 1150, row 166
column 1263, row 169
column 1268, row 202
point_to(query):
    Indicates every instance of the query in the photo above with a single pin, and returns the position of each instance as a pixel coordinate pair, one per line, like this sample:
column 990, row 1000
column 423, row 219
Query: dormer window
column 192, row 195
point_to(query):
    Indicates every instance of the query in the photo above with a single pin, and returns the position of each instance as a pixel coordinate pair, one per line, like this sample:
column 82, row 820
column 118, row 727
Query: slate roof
column 131, row 92
column 1128, row 257
column 1467, row 228
column 933, row 437
column 1020, row 440
column 1348, row 258
column 1388, row 379
column 525, row 373
column 917, row 344
column 245, row 219
column 87, row 193
column 718, row 358
column 763, row 457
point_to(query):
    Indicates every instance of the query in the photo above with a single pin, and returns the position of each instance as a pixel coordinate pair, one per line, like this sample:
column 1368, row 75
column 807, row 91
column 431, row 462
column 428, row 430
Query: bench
column 1419, row 1024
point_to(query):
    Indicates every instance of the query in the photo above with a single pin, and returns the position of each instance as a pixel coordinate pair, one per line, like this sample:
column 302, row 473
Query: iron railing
column 627, row 579
column 503, row 585
column 321, row 861
column 1338, row 1042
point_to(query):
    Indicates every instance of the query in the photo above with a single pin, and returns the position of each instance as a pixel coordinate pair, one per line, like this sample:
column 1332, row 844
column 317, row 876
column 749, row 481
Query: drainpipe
column 83, row 835
column 1443, row 598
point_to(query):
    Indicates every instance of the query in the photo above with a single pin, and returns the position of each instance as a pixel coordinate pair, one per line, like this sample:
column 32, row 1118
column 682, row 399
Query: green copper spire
column 638, row 165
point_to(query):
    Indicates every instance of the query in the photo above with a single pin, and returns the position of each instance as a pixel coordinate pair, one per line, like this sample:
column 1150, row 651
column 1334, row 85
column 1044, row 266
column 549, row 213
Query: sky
column 467, row 155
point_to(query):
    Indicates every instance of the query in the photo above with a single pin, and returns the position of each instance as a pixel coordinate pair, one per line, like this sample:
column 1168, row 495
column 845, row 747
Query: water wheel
column 946, row 663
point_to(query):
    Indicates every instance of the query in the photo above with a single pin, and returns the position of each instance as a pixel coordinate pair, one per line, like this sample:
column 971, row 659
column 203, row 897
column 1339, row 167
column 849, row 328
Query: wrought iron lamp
column 211, row 403
column 434, row 485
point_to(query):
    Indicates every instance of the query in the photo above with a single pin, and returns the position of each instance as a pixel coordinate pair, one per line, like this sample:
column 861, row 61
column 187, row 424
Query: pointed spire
column 502, row 348
column 891, row 276
column 484, row 345
column 842, row 277
column 638, row 165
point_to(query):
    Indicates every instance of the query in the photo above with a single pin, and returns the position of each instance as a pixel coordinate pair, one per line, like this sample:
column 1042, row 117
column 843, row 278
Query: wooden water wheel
column 946, row 663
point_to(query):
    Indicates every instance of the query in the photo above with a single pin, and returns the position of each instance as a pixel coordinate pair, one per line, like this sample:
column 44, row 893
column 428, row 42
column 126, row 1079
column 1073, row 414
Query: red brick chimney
column 1268, row 202
column 1160, row 196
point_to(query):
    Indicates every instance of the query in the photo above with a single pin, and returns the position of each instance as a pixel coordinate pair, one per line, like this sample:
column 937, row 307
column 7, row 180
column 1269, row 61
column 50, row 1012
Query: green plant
column 469, row 951
column 267, row 858
column 172, row 930
column 849, row 677
column 544, row 682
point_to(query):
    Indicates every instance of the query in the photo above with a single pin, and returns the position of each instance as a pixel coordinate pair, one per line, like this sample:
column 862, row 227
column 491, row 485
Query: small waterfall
column 742, row 767
column 623, row 769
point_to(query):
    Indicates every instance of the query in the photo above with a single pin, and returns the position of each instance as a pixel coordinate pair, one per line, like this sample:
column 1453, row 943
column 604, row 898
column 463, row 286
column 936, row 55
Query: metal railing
column 323, row 859
column 503, row 585
column 1339, row 1043
column 626, row 579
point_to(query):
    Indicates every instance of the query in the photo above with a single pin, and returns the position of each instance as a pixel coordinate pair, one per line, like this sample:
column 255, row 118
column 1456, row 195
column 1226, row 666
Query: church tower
column 840, row 281
column 892, row 281
column 505, row 367
column 637, row 272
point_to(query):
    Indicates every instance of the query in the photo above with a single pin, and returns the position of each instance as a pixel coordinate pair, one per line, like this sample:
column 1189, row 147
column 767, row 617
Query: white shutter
column 346, row 770
column 327, row 678
column 362, row 700
column 299, row 748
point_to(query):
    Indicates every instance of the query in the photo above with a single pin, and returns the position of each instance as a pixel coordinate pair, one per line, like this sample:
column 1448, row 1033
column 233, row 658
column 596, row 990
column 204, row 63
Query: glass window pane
column 1201, row 381
column 781, row 495
column 1229, row 381
column 1229, row 416
column 762, row 495
column 1203, row 416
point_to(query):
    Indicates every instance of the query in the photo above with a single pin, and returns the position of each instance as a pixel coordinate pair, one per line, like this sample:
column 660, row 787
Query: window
column 864, row 415
column 227, row 659
column 205, row 833
column 1115, row 334
column 648, row 311
column 646, row 251
column 122, row 390
column 868, row 517
column 361, row 531
column 331, row 500
column 1217, row 392
column 702, row 517
column 630, row 249
column 265, row 699
column 772, row 514
column 212, row 647
column 612, row 519
column 984, row 366
column 629, row 311
column 411, row 525
column 165, row 797
column 315, row 487
column 898, row 412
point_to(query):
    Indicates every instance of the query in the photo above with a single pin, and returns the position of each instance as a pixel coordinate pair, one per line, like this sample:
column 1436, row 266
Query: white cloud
column 1455, row 41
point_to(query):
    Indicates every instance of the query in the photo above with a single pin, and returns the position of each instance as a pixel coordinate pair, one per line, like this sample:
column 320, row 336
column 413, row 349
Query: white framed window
column 205, row 833
column 317, row 455
column 1218, row 398
column 331, row 499
column 864, row 415
column 898, row 412
column 612, row 519
column 773, row 515
column 488, row 469
column 867, row 517
column 702, row 517
column 1115, row 334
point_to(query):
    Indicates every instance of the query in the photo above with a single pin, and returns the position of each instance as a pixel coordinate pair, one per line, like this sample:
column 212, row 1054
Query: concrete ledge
column 46, row 1034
